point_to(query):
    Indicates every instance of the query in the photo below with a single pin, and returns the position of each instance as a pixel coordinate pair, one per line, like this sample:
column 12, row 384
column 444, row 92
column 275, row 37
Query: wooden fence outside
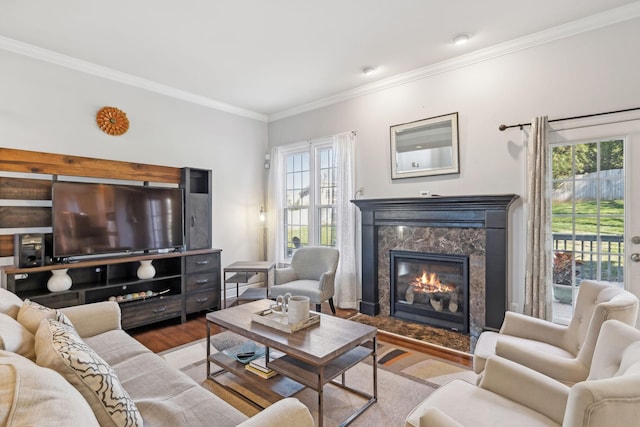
column 610, row 183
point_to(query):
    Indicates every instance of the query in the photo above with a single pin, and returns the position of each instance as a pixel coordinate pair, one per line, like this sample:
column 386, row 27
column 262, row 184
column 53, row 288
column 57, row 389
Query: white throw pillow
column 16, row 338
column 10, row 303
column 59, row 347
column 34, row 396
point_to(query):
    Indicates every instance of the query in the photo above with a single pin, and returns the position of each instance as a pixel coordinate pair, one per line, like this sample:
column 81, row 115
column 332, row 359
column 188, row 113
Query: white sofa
column 509, row 394
column 55, row 374
column 561, row 352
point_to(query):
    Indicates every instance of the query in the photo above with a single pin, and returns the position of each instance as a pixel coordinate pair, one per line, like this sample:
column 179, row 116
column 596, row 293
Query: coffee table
column 314, row 356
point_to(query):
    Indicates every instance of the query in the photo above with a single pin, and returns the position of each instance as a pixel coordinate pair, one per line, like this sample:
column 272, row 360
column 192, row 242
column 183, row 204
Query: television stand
column 185, row 282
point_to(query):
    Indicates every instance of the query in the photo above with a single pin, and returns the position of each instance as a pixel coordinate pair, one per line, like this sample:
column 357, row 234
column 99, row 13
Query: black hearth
column 430, row 288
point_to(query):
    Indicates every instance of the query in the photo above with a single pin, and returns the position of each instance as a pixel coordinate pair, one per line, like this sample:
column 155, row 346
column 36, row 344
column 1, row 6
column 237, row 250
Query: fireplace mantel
column 488, row 212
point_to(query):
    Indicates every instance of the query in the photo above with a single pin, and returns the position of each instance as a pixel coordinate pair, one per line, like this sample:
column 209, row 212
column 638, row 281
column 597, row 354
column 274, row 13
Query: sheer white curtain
column 346, row 281
column 537, row 297
column 275, row 202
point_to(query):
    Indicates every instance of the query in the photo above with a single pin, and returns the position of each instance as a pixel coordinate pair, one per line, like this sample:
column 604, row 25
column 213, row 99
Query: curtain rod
column 521, row 125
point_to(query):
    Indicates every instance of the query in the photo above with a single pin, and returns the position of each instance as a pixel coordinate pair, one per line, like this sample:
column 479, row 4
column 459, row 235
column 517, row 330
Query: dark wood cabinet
column 151, row 311
column 197, row 207
column 184, row 282
column 202, row 282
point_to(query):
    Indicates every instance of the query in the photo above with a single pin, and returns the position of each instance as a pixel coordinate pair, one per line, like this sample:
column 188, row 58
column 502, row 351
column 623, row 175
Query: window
column 587, row 217
column 310, row 197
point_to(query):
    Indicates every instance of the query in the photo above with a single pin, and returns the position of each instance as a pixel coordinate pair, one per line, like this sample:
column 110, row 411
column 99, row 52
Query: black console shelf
column 101, row 278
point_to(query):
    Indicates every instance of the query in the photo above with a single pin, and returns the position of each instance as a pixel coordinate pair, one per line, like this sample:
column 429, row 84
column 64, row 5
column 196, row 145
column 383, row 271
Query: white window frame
column 311, row 147
column 599, row 253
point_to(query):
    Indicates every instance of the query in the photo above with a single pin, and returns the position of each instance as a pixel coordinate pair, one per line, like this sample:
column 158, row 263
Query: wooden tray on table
column 280, row 321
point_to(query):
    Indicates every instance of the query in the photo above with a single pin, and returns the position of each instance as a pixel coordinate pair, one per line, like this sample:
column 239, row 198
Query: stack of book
column 259, row 366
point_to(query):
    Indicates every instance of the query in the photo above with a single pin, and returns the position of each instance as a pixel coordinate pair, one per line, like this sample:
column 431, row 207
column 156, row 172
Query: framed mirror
column 425, row 147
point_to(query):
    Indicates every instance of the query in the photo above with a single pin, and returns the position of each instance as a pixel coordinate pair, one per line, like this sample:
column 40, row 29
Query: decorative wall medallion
column 112, row 120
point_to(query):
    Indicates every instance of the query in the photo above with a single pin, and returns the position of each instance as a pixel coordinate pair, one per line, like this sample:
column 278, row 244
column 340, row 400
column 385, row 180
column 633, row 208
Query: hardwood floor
column 165, row 335
column 171, row 333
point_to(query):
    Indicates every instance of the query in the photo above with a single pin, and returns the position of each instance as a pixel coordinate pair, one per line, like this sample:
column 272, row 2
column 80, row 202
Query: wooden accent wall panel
column 25, row 189
column 22, row 216
column 25, row 216
column 6, row 245
column 23, row 161
column 59, row 164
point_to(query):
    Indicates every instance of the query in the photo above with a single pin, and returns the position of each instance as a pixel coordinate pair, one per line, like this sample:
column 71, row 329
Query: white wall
column 588, row 73
column 44, row 107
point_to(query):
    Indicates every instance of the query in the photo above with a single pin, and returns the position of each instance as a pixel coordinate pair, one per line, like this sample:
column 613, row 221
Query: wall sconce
column 263, row 214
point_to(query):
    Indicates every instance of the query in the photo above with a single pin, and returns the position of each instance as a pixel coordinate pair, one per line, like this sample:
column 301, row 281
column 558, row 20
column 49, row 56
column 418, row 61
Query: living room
column 586, row 64
column 50, row 108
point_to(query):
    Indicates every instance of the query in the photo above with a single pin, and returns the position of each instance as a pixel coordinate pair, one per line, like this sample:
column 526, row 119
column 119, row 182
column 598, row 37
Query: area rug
column 405, row 378
column 420, row 367
column 436, row 336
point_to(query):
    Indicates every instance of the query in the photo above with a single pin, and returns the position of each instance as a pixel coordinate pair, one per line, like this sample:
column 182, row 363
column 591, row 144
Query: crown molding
column 56, row 58
column 593, row 22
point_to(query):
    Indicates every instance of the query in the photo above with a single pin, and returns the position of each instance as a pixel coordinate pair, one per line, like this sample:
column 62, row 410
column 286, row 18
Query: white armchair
column 510, row 394
column 312, row 273
column 561, row 352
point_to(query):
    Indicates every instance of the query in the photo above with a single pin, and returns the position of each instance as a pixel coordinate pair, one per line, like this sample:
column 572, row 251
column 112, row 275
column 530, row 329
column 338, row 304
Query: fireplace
column 430, row 288
column 474, row 227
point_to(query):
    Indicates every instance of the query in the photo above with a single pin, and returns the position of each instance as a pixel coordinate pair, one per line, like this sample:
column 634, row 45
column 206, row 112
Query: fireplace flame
column 429, row 282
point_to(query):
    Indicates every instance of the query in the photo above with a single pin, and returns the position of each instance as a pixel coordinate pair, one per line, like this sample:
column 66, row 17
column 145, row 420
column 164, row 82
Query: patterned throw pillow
column 31, row 314
column 59, row 347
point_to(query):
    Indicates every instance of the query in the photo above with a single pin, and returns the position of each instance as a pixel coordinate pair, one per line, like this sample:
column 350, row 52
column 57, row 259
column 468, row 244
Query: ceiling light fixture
column 368, row 70
column 461, row 38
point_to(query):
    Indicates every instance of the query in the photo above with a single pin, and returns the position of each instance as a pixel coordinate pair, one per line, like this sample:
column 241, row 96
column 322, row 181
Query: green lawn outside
column 586, row 222
column 327, row 236
column 611, row 217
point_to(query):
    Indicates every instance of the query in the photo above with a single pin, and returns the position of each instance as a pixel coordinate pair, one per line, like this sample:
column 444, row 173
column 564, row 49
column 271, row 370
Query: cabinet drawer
column 202, row 301
column 202, row 281
column 149, row 311
column 204, row 262
column 66, row 299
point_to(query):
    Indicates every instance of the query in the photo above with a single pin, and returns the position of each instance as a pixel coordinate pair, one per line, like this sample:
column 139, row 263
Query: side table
column 241, row 272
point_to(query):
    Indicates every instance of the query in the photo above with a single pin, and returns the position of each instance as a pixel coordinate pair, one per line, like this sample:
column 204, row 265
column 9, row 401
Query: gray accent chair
column 509, row 394
column 560, row 352
column 312, row 273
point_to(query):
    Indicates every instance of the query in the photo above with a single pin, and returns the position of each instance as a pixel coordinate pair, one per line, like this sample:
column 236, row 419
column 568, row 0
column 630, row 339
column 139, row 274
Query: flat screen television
column 93, row 219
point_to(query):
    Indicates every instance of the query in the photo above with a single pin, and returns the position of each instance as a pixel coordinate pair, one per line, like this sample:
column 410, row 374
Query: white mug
column 298, row 309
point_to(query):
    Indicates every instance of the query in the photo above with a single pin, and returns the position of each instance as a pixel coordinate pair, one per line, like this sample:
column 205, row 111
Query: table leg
column 320, row 396
column 224, row 290
column 374, row 355
column 371, row 398
column 208, row 349
column 271, row 277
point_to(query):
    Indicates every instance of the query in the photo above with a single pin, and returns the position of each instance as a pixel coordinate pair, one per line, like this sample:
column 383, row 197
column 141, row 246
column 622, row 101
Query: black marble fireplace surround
column 473, row 226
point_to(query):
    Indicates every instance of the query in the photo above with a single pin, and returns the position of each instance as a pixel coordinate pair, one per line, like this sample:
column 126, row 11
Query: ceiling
column 270, row 59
